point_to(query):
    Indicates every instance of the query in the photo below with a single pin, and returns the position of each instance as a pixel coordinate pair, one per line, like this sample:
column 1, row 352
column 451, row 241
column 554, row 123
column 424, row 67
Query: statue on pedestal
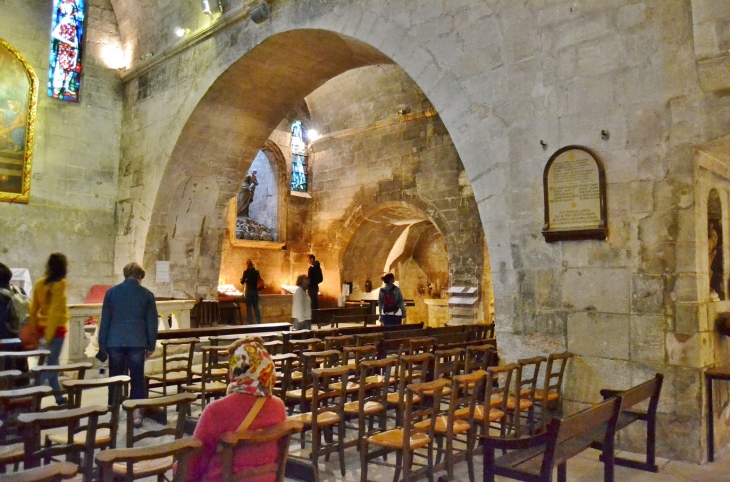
column 245, row 195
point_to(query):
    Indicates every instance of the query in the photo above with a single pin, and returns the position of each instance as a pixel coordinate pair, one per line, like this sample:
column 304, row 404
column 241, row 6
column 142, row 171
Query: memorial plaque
column 574, row 184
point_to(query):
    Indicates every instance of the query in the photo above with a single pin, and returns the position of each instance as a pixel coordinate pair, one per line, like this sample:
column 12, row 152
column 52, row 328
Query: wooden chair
column 8, row 378
column 411, row 369
column 311, row 360
column 337, row 342
column 298, row 347
column 284, row 366
column 78, row 371
column 106, row 432
column 497, row 392
column 127, row 464
column 13, row 360
column 463, row 399
column 407, row 439
column 448, row 364
column 274, row 347
column 280, row 434
column 422, row 344
column 354, row 355
column 368, row 339
column 372, row 399
column 138, row 463
column 12, row 404
column 213, row 375
column 208, row 312
column 327, row 412
column 177, row 362
column 526, row 385
column 47, row 473
column 32, row 424
column 485, row 415
column 478, row 357
column 549, row 398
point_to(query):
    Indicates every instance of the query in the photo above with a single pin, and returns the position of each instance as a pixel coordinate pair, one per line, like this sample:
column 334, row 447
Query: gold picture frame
column 18, row 99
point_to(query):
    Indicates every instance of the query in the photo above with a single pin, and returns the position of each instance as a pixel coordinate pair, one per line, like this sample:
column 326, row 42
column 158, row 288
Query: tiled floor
column 583, row 468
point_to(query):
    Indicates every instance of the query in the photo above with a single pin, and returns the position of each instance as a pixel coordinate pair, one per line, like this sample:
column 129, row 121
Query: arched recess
column 365, row 249
column 226, row 129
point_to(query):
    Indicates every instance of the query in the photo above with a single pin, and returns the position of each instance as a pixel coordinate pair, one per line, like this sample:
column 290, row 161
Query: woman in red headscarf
column 252, row 380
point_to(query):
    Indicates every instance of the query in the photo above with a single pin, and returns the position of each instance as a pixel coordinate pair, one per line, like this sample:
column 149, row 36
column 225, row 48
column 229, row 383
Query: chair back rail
column 280, row 433
column 47, row 473
column 32, row 424
column 117, row 385
column 181, row 449
column 182, row 401
column 8, row 378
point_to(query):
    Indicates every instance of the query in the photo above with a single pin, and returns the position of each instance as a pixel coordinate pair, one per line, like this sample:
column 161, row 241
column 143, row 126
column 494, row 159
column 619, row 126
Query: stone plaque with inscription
column 574, row 184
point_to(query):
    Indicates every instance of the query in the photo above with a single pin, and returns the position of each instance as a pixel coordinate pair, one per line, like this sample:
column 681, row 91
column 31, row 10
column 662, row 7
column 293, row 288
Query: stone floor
column 583, row 468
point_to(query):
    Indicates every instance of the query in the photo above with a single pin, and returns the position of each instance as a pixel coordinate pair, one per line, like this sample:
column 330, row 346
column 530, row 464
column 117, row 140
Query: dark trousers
column 123, row 361
column 391, row 320
column 313, row 291
column 252, row 304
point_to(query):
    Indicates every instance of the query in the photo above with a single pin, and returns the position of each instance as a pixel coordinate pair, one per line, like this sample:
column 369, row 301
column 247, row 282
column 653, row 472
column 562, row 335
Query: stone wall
column 76, row 159
column 502, row 77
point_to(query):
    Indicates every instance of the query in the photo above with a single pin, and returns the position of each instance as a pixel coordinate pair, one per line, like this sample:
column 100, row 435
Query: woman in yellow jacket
column 49, row 314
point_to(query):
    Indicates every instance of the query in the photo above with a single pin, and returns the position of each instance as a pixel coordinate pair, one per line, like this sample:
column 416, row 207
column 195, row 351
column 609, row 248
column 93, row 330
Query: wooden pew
column 649, row 390
column 323, row 316
column 222, row 330
column 534, row 457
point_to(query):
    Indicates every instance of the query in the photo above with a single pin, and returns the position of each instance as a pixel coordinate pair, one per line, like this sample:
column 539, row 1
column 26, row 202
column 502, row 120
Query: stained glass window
column 298, row 157
column 67, row 31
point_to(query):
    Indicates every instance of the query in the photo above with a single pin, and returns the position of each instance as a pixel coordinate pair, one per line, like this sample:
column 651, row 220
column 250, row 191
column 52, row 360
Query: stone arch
column 197, row 180
column 356, row 219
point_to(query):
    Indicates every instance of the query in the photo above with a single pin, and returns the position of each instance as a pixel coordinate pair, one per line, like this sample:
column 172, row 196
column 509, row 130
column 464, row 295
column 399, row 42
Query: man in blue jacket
column 128, row 331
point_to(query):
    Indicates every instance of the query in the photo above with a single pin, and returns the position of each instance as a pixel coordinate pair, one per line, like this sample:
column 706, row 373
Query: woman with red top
column 252, row 380
column 49, row 314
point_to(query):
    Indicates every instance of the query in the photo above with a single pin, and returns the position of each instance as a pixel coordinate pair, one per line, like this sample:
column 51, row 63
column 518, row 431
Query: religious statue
column 245, row 195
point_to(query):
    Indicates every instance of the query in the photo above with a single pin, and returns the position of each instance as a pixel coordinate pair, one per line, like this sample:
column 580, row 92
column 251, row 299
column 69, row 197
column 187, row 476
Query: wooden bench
column 222, row 330
column 649, row 390
column 324, row 316
column 532, row 458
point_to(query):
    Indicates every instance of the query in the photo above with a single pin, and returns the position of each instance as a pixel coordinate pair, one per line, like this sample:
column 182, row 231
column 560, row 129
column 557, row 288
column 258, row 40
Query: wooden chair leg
column 398, row 466
column 341, row 444
column 563, row 472
column 363, row 460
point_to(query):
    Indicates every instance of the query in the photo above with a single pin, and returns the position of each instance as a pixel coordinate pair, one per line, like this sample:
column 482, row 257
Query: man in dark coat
column 315, row 278
column 128, row 330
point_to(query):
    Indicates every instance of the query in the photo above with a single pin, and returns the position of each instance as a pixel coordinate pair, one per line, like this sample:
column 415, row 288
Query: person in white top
column 301, row 309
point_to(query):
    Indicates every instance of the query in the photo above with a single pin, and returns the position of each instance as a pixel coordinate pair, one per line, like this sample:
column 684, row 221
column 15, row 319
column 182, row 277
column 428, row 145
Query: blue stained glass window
column 298, row 157
column 67, row 31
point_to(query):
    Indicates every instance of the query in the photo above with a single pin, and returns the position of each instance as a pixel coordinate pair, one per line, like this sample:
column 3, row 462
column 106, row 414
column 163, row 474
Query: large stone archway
column 223, row 132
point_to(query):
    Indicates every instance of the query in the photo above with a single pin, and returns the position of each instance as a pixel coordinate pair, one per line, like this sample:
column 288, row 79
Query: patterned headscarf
column 252, row 370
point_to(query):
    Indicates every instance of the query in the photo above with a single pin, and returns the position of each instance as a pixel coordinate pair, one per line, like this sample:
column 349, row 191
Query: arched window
column 298, row 157
column 67, row 30
column 714, row 245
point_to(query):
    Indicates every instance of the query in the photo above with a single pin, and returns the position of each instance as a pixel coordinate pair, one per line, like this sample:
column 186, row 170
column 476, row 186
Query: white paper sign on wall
column 163, row 272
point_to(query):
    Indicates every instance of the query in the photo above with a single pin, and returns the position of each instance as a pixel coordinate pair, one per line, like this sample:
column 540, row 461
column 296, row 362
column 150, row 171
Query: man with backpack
column 390, row 301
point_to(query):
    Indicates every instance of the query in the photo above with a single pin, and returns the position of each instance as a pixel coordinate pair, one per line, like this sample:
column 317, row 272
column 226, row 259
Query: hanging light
column 206, row 8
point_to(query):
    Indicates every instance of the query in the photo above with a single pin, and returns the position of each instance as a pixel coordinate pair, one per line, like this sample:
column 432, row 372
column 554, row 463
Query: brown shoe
column 137, row 414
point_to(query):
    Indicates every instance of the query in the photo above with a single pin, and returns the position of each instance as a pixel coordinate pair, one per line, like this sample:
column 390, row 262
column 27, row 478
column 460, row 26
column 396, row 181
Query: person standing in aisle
column 390, row 301
column 128, row 331
column 250, row 281
column 301, row 309
column 315, row 278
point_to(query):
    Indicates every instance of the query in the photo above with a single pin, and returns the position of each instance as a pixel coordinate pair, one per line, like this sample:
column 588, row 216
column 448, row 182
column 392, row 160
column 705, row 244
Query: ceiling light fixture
column 182, row 32
column 206, row 7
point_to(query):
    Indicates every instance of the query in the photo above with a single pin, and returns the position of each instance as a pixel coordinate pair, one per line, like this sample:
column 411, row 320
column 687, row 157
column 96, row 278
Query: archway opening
column 381, row 141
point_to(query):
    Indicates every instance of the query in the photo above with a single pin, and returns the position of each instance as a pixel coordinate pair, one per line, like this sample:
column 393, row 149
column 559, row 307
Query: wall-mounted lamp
column 260, row 12
column 605, row 135
column 313, row 135
column 182, row 32
column 544, row 145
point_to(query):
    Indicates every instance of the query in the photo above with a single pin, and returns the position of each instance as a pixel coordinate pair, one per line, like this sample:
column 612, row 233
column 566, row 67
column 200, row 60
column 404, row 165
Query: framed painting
column 18, row 102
